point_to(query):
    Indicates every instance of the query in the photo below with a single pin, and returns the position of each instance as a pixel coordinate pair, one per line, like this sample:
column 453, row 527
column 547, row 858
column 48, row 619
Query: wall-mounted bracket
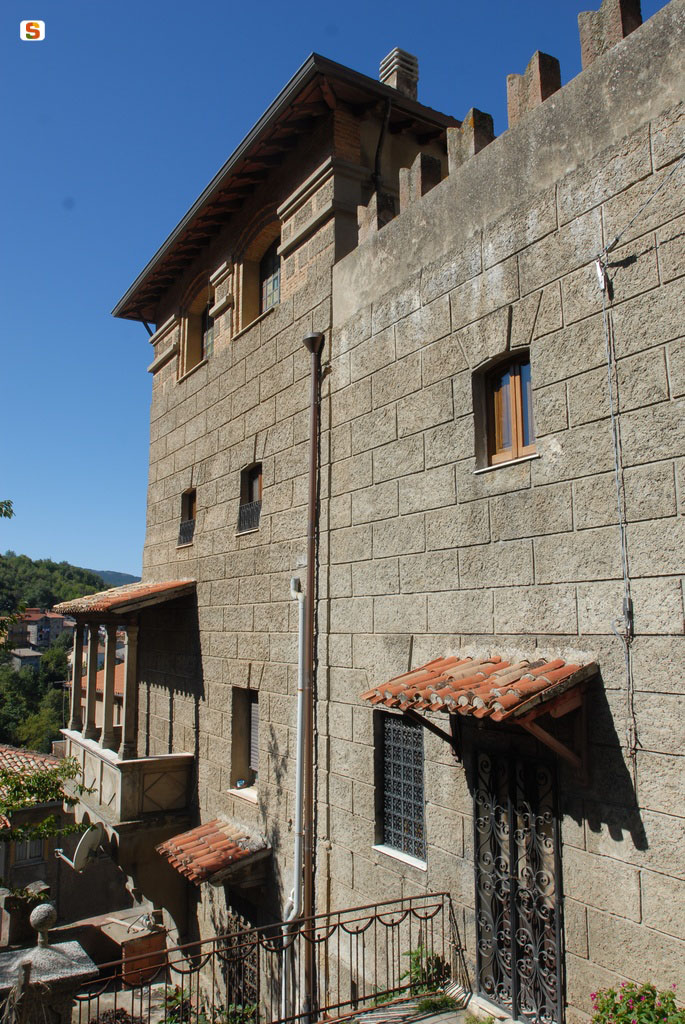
column 572, row 700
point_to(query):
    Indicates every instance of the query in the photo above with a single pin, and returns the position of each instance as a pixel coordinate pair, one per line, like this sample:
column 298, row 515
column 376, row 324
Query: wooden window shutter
column 254, row 735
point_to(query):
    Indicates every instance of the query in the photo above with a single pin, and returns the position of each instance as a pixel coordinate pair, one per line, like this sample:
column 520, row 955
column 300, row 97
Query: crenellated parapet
column 540, row 80
column 604, row 28
column 474, row 134
column 599, row 32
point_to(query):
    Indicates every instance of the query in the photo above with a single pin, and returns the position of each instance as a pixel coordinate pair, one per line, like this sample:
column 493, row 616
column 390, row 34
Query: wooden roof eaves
column 129, row 305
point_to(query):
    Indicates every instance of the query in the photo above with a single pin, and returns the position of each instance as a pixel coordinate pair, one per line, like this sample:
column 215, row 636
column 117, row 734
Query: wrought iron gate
column 518, row 887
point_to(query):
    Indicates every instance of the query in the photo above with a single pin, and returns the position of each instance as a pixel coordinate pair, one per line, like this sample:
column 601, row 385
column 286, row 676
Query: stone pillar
column 541, row 78
column 41, row 983
column 107, row 732
column 602, row 29
column 90, row 729
column 128, row 725
column 75, row 717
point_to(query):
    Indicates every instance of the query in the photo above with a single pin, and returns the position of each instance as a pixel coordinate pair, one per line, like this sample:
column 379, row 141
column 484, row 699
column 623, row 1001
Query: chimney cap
column 400, row 70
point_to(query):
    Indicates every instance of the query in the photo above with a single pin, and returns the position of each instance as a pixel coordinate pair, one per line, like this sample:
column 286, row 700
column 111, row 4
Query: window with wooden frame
column 259, row 276
column 270, row 278
column 28, row 851
column 250, row 508
column 245, row 739
column 198, row 331
column 186, row 530
column 509, row 408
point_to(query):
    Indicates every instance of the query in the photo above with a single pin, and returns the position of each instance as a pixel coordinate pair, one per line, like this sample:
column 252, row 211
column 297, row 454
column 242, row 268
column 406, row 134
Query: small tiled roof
column 22, row 761
column 494, row 686
column 128, row 598
column 209, row 849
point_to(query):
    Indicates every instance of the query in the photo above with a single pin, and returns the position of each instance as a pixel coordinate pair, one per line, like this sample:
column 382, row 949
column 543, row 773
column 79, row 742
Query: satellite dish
column 86, row 849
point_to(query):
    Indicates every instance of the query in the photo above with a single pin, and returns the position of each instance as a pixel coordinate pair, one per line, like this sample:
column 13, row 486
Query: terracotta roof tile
column 486, row 687
column 210, row 848
column 126, row 598
column 21, row 761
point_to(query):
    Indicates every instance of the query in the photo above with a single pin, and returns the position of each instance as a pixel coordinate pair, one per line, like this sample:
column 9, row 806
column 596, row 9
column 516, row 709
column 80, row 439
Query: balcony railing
column 186, row 531
column 363, row 956
column 248, row 516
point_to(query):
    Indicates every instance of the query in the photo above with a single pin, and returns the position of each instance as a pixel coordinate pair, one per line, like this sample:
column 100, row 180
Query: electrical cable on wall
column 626, row 633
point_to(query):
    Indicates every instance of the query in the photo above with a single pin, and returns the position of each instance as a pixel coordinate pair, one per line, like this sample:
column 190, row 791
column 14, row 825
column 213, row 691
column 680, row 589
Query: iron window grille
column 248, row 516
column 250, row 498
column 403, row 790
column 186, row 531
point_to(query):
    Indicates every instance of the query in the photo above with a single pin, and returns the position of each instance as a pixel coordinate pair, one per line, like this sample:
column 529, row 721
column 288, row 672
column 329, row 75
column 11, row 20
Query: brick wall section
column 426, row 555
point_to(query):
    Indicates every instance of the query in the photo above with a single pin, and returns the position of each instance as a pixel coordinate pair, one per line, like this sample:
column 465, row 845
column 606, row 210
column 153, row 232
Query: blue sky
column 112, row 126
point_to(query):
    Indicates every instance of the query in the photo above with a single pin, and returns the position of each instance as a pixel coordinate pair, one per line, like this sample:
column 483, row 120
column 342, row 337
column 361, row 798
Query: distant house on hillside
column 25, row 657
column 37, row 628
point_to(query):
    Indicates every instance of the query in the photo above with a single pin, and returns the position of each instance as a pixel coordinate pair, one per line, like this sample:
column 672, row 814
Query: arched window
column 198, row 339
column 509, row 410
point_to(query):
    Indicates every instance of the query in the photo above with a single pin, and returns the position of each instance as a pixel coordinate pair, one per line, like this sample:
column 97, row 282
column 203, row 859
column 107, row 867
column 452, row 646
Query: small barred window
column 403, row 796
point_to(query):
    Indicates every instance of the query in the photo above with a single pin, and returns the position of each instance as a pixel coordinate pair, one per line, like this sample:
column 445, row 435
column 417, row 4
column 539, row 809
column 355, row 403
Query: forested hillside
column 42, row 583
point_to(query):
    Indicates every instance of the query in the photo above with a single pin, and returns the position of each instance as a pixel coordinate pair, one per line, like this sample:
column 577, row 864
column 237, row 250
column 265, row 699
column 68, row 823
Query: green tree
column 54, row 666
column 38, row 730
column 42, row 583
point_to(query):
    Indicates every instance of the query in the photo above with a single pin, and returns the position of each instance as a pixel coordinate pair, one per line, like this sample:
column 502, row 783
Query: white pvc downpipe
column 293, row 907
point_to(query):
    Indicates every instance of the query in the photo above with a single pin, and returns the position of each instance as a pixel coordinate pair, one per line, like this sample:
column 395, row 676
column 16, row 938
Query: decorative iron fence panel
column 518, row 891
column 363, row 956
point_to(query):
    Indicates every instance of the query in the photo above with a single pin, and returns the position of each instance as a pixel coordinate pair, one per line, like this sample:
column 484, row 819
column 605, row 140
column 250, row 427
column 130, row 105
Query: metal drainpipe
column 313, row 343
column 293, row 907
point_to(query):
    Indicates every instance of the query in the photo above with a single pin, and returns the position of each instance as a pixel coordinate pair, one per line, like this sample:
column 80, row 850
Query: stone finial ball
column 43, row 917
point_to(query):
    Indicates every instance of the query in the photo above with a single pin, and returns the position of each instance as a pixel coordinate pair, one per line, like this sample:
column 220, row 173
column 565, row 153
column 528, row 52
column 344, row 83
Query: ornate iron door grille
column 518, row 887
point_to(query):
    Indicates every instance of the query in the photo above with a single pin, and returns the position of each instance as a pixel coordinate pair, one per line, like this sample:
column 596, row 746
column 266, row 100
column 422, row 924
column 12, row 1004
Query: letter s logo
column 30, row 31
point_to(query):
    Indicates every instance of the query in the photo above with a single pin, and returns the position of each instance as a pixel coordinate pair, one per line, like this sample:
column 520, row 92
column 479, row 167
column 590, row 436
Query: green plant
column 382, row 997
column 472, row 1019
column 237, row 1013
column 436, row 1004
column 25, row 894
column 636, row 1004
column 177, row 1007
column 116, row 1017
column 427, row 971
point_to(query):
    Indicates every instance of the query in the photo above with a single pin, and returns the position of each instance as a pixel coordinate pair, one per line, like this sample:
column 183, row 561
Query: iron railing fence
column 248, row 516
column 363, row 956
column 186, row 531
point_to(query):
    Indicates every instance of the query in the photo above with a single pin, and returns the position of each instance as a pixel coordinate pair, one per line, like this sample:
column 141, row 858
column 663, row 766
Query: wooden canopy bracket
column 451, row 738
column 572, row 700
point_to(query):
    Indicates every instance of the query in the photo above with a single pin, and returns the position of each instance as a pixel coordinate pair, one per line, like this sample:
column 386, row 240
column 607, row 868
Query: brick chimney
column 400, row 70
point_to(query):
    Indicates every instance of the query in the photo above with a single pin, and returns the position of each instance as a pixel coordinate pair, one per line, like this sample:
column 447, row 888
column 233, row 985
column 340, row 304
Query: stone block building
column 498, row 533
